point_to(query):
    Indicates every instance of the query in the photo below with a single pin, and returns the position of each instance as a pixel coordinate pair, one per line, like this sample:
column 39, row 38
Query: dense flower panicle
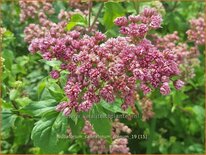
column 101, row 68
column 196, row 31
column 47, row 27
column 99, row 145
column 138, row 26
column 30, row 9
column 185, row 56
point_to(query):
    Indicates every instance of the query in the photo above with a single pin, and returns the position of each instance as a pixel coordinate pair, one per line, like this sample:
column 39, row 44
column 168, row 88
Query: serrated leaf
column 45, row 134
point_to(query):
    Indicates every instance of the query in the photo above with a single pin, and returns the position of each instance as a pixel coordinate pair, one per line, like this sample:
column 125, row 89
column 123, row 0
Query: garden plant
column 102, row 77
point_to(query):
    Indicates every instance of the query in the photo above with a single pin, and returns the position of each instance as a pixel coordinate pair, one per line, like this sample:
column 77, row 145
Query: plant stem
column 90, row 28
column 90, row 11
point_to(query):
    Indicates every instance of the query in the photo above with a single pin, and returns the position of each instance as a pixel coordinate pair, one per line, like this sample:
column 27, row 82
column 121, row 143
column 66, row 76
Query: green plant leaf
column 8, row 119
column 39, row 108
column 22, row 130
column 76, row 128
column 115, row 107
column 56, row 92
column 45, row 133
column 75, row 20
column 8, row 58
column 40, row 88
column 23, row 101
column 112, row 11
column 100, row 122
column 13, row 94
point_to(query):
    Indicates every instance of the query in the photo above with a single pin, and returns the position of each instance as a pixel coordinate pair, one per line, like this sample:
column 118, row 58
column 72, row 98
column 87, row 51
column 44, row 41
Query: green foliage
column 45, row 133
column 76, row 20
column 103, row 128
column 112, row 11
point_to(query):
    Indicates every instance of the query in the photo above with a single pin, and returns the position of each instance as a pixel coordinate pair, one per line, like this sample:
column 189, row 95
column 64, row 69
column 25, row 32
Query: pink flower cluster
column 46, row 27
column 196, row 31
column 185, row 56
column 31, row 8
column 138, row 26
column 99, row 145
column 101, row 68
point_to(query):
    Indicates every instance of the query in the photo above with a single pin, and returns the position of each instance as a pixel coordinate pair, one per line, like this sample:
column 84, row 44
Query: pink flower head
column 121, row 21
column 145, row 88
column 148, row 12
column 165, row 89
column 99, row 36
column 156, row 22
column 178, row 84
column 134, row 19
column 107, row 93
column 55, row 74
column 61, row 106
column 85, row 106
column 67, row 111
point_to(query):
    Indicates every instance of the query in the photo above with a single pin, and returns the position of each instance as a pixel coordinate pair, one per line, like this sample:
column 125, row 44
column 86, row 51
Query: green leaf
column 13, row 94
column 22, row 130
column 178, row 97
column 75, row 20
column 115, row 107
column 8, row 56
column 56, row 92
column 76, row 128
column 101, row 124
column 195, row 148
column 112, row 11
column 46, row 132
column 23, row 101
column 52, row 63
column 200, row 114
column 8, row 119
column 40, row 88
column 39, row 108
